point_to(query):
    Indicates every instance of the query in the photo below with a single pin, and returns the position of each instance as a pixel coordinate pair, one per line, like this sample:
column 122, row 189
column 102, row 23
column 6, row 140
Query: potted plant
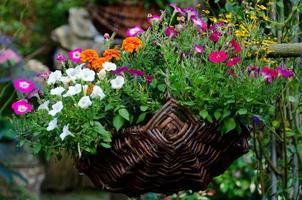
column 167, row 111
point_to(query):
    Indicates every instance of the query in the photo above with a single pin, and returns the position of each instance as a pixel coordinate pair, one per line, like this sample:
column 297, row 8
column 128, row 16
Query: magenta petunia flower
column 198, row 48
column 153, row 18
column 171, row 32
column 9, row 54
column 191, row 12
column 132, row 32
column 233, row 61
column 176, row 8
column 218, row 56
column 269, row 74
column 136, row 72
column 215, row 36
column 253, row 71
column 60, row 57
column 286, row 73
column 23, row 85
column 235, row 45
column 199, row 22
column 216, row 26
column 74, row 55
column 21, row 107
column 120, row 70
column 149, row 79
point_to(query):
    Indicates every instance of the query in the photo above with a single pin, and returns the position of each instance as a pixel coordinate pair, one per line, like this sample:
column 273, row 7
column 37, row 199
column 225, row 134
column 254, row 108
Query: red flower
column 233, row 61
column 218, row 56
column 235, row 45
column 269, row 74
column 149, row 79
column 215, row 36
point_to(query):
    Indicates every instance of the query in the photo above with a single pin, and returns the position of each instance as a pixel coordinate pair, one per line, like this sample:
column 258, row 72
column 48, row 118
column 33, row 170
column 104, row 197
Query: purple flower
column 23, row 85
column 132, row 32
column 33, row 93
column 153, row 18
column 120, row 70
column 216, row 26
column 215, row 36
column 199, row 22
column 191, row 12
column 253, row 71
column 9, row 54
column 256, row 119
column 136, row 72
column 176, row 8
column 74, row 55
column 286, row 73
column 198, row 48
column 149, row 79
column 171, row 32
column 60, row 57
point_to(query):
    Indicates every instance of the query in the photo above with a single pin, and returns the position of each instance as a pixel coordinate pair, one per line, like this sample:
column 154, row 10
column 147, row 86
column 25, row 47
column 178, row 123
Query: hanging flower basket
column 171, row 153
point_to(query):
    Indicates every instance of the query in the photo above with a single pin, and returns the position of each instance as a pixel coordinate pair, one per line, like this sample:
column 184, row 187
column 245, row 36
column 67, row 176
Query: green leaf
column 217, row 114
column 203, row 114
column 108, row 107
column 226, row 113
column 161, row 87
column 124, row 113
column 105, row 145
column 242, row 111
column 292, row 99
column 118, row 122
column 141, row 117
column 37, row 148
column 229, row 124
column 143, row 108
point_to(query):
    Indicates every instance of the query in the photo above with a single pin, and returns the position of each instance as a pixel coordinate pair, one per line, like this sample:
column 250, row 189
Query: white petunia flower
column 56, row 108
column 44, row 106
column 57, row 91
column 65, row 132
column 97, row 92
column 74, row 73
column 73, row 90
column 84, row 102
column 109, row 66
column 52, row 124
column 54, row 77
column 85, row 88
column 118, row 82
column 102, row 74
column 65, row 80
column 87, row 75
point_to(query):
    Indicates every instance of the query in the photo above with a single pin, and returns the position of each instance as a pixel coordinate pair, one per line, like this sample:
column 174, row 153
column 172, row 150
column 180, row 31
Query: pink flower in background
column 176, row 8
column 33, row 93
column 215, row 36
column 120, row 70
column 23, row 85
column 153, row 18
column 74, row 55
column 199, row 22
column 286, row 73
column 218, row 56
column 235, row 45
column 198, row 48
column 132, row 32
column 136, row 72
column 106, row 36
column 60, row 57
column 9, row 54
column 149, row 79
column 171, row 32
column 269, row 74
column 253, row 71
column 21, row 107
column 191, row 12
column 233, row 61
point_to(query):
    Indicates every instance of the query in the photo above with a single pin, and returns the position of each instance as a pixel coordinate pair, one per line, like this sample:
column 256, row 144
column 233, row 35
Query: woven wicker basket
column 172, row 152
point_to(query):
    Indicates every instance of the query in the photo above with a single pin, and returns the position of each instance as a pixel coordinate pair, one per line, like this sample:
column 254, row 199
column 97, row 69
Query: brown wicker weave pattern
column 172, row 152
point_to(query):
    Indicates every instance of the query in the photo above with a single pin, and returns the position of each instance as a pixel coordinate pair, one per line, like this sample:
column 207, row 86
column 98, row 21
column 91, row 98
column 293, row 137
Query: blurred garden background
column 32, row 32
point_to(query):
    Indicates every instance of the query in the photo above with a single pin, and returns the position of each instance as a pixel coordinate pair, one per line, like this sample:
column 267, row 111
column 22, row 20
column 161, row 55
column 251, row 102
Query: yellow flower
column 253, row 17
column 213, row 19
column 206, row 12
column 266, row 18
column 229, row 16
column 262, row 7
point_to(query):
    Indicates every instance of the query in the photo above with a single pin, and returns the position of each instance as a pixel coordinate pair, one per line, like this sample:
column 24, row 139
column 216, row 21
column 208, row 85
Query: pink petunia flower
column 153, row 18
column 215, row 36
column 286, row 73
column 9, row 54
column 149, row 79
column 176, row 9
column 120, row 70
column 21, row 107
column 235, row 45
column 171, row 32
column 253, row 71
column 217, row 26
column 269, row 74
column 218, row 56
column 106, row 36
column 191, row 12
column 74, row 55
column 23, row 85
column 136, row 72
column 199, row 22
column 233, row 61
column 60, row 57
column 133, row 32
column 198, row 48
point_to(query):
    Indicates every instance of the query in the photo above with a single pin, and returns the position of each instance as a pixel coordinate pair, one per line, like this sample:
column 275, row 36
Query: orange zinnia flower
column 90, row 89
column 112, row 53
column 88, row 55
column 96, row 64
column 132, row 43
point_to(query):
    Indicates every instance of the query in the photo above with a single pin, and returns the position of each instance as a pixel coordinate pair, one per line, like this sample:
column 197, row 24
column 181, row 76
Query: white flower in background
column 102, row 74
column 109, row 66
column 84, row 102
column 65, row 132
column 52, row 124
column 97, row 92
column 44, row 106
column 56, row 108
column 118, row 82
column 74, row 73
column 87, row 75
column 65, row 80
column 54, row 77
column 73, row 90
column 57, row 91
